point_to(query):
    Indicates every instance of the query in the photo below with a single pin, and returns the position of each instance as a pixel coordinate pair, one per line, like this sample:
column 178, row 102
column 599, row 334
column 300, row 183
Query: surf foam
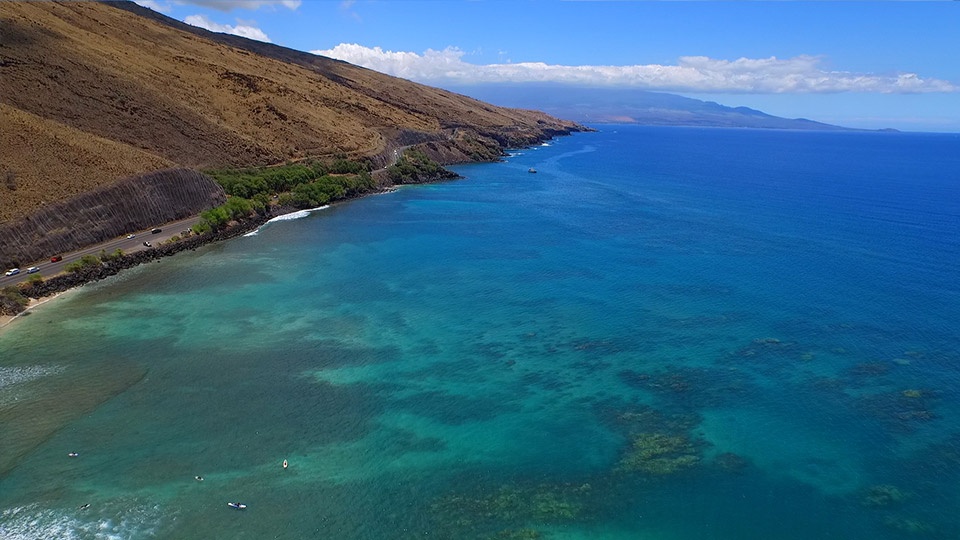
column 10, row 376
column 287, row 217
column 36, row 523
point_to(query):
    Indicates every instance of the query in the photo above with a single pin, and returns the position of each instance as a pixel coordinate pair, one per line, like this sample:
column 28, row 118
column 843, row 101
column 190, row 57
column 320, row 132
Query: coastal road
column 127, row 245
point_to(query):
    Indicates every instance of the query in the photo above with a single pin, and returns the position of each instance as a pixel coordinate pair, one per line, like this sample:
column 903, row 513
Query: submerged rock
column 519, row 534
column 909, row 525
column 508, row 511
column 659, row 454
column 883, row 495
column 731, row 462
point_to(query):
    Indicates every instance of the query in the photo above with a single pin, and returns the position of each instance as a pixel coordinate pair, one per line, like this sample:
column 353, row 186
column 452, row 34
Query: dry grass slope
column 92, row 92
column 45, row 161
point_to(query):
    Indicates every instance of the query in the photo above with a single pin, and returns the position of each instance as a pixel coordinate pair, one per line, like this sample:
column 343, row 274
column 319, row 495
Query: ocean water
column 664, row 334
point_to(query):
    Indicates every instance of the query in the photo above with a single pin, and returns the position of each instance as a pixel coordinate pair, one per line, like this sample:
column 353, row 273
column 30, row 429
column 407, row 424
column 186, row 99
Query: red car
column 56, row 258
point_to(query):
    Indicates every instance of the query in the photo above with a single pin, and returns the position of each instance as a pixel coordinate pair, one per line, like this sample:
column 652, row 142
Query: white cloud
column 154, row 5
column 801, row 74
column 346, row 6
column 228, row 5
column 241, row 29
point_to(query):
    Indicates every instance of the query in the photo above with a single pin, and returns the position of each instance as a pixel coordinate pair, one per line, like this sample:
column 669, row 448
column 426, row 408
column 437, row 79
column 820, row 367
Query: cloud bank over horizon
column 800, row 74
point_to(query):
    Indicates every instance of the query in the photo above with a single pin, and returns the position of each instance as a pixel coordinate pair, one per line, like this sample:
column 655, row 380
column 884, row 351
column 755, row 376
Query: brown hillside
column 44, row 161
column 92, row 92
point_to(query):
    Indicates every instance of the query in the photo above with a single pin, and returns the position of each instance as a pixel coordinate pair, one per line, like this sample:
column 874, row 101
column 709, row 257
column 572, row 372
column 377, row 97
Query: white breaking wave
column 287, row 217
column 35, row 523
column 15, row 375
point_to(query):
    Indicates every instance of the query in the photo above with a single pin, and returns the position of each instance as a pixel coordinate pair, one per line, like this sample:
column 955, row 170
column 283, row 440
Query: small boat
column 237, row 505
column 198, row 478
column 531, row 170
column 285, row 464
column 73, row 454
column 84, row 506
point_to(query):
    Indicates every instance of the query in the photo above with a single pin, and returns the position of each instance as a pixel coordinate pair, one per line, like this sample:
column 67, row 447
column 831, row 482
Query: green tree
column 84, row 262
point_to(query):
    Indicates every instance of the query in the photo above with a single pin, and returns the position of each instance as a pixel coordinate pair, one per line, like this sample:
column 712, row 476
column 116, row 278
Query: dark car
column 155, row 231
column 56, row 258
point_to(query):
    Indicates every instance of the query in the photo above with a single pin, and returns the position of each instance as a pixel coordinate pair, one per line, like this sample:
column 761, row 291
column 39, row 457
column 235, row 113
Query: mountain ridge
column 617, row 105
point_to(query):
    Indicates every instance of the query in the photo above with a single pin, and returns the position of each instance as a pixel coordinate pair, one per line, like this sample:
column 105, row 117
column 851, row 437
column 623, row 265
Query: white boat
column 237, row 505
column 531, row 170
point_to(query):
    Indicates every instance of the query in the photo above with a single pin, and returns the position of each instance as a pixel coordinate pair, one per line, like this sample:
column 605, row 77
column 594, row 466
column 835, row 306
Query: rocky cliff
column 131, row 204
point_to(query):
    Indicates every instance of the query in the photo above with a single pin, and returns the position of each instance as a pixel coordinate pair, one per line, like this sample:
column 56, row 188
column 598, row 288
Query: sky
column 865, row 64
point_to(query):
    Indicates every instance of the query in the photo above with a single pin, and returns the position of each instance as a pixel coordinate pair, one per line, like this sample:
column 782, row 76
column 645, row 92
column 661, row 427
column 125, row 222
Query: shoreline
column 6, row 320
column 56, row 286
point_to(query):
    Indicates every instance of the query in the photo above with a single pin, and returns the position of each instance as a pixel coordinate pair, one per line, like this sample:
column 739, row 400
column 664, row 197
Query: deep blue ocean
column 664, row 334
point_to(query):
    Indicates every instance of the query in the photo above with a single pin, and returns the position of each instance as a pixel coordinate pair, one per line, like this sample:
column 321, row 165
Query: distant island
column 626, row 106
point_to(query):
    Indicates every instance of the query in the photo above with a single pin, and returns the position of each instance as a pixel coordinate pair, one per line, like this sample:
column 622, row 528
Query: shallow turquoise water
column 665, row 333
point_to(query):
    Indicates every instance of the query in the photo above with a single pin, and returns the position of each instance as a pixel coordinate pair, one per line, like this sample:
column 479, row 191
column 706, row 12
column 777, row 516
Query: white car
column 33, row 270
column 12, row 272
column 129, row 236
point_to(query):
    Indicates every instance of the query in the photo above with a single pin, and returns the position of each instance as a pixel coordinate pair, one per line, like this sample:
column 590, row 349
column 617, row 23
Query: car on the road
column 12, row 272
column 156, row 230
column 56, row 258
column 147, row 244
column 129, row 236
column 33, row 270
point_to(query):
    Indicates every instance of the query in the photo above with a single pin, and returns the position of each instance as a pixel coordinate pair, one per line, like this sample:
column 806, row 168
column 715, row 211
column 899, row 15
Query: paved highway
column 127, row 245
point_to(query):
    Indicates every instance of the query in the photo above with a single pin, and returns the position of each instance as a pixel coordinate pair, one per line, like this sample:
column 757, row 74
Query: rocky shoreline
column 88, row 274
column 63, row 282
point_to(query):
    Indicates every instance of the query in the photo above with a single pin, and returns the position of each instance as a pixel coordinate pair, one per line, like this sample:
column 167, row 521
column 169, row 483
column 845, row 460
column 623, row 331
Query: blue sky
column 859, row 64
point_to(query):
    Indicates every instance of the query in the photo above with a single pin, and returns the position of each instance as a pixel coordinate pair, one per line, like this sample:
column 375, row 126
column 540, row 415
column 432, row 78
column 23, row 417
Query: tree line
column 252, row 190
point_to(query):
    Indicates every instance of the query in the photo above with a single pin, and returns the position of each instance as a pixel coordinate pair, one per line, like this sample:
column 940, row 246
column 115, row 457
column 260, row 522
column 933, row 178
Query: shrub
column 84, row 262
column 107, row 257
column 201, row 228
column 12, row 301
column 414, row 166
